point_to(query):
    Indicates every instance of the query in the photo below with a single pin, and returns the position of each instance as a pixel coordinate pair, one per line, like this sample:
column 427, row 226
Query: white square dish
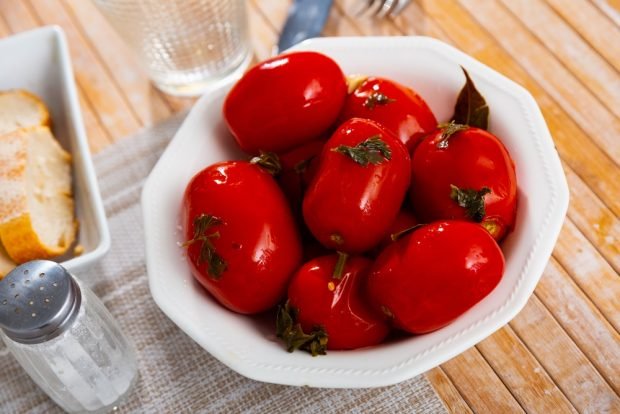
column 248, row 345
column 39, row 62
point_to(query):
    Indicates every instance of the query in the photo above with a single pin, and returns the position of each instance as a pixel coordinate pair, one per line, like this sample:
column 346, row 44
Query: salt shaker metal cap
column 39, row 301
column 63, row 336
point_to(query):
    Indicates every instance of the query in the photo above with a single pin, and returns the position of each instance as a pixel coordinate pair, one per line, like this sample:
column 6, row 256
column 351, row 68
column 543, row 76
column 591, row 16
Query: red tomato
column 338, row 306
column 285, row 101
column 243, row 245
column 393, row 105
column 429, row 277
column 362, row 178
column 403, row 221
column 478, row 164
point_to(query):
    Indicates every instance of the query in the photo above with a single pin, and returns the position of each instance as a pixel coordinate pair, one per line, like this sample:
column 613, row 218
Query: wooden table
column 562, row 352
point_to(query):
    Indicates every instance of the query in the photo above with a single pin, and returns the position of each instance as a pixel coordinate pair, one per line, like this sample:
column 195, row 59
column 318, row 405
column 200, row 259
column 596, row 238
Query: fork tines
column 382, row 8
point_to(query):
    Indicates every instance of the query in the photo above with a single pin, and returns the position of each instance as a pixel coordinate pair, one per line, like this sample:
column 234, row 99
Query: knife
column 305, row 20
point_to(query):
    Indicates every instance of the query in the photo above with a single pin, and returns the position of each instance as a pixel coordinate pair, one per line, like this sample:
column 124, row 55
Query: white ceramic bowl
column 248, row 345
column 39, row 61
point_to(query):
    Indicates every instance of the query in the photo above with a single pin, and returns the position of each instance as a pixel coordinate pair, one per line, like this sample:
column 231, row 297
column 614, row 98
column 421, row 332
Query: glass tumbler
column 187, row 46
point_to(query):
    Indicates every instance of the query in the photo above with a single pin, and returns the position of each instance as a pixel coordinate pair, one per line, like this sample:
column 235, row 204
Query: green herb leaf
column 215, row 263
column 447, row 130
column 293, row 335
column 377, row 98
column 285, row 319
column 269, row 162
column 318, row 346
column 303, row 165
column 372, row 151
column 471, row 200
column 471, row 108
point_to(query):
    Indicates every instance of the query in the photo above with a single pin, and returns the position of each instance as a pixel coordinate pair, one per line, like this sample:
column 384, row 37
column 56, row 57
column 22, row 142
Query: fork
column 383, row 8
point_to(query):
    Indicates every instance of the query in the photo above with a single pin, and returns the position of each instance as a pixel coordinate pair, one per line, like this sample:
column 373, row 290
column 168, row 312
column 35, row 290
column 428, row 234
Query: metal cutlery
column 383, row 8
column 305, row 20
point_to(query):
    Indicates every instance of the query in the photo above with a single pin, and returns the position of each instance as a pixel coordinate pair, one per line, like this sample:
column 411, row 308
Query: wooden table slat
column 453, row 401
column 4, row 27
column 594, row 219
column 570, row 49
column 582, row 321
column 479, row 385
column 339, row 25
column 596, row 28
column 590, row 272
column 562, row 352
column 98, row 137
column 266, row 37
column 611, row 8
column 17, row 15
column 562, row 359
column 527, row 380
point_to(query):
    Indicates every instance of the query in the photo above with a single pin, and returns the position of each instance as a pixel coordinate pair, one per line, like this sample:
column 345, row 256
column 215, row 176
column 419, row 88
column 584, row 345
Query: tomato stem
column 336, row 238
column 339, row 268
column 398, row 235
column 447, row 130
column 377, row 98
column 471, row 200
column 269, row 162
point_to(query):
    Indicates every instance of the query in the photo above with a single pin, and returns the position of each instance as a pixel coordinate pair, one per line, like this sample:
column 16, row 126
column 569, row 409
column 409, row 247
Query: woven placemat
column 177, row 375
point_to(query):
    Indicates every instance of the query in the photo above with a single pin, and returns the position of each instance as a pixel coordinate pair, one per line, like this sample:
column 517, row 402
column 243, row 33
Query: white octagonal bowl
column 248, row 345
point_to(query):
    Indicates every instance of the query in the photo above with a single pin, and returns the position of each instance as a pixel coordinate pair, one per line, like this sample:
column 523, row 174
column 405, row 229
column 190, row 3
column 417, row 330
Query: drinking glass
column 187, row 46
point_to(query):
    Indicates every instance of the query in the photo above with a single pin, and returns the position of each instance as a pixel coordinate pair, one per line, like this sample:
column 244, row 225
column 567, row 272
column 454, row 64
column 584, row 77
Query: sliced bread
column 6, row 264
column 36, row 206
column 20, row 109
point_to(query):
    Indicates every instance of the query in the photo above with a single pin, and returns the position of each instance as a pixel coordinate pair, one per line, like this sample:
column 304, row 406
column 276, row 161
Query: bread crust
column 44, row 115
column 17, row 230
column 6, row 263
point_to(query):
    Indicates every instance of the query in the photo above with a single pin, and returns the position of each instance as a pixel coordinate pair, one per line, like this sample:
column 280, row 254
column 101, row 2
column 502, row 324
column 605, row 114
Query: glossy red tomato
column 428, row 278
column 362, row 178
column 285, row 101
column 338, row 306
column 243, row 245
column 467, row 175
column 395, row 106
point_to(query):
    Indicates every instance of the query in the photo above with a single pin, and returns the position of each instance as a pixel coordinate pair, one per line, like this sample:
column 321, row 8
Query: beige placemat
column 176, row 375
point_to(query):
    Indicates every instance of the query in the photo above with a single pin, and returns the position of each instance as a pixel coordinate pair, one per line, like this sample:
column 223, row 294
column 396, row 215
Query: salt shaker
column 65, row 338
